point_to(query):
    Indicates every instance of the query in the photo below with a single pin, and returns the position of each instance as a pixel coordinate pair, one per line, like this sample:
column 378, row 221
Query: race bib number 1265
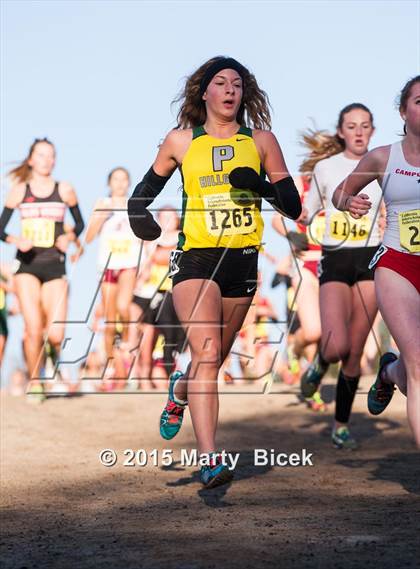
column 225, row 217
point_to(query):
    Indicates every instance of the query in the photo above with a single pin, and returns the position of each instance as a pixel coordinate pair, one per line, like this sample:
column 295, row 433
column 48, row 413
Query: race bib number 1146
column 343, row 227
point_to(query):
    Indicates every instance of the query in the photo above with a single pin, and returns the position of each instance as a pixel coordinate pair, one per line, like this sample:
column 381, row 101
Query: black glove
column 142, row 222
column 245, row 178
column 281, row 195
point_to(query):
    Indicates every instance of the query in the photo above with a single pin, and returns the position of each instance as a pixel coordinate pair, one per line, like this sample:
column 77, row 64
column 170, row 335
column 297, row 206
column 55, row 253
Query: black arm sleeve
column 78, row 219
column 282, row 195
column 142, row 221
column 6, row 214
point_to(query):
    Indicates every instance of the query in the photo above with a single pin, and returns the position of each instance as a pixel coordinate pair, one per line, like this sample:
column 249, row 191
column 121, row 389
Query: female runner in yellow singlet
column 222, row 161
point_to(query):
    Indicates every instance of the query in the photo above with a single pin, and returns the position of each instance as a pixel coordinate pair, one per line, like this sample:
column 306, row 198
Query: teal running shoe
column 342, row 438
column 216, row 474
column 311, row 379
column 173, row 414
column 380, row 394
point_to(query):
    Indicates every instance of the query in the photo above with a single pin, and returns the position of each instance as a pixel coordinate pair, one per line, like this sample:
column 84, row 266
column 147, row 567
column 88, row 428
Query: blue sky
column 97, row 78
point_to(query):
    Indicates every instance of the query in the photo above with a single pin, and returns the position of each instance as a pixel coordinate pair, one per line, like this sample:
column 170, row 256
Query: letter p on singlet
column 220, row 155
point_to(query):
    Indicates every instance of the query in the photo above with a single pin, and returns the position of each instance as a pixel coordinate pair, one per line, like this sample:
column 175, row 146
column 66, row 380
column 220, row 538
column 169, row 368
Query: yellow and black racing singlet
column 213, row 213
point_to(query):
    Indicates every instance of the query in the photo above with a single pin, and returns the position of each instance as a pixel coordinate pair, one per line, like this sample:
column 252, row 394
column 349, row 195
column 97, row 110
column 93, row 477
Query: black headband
column 218, row 65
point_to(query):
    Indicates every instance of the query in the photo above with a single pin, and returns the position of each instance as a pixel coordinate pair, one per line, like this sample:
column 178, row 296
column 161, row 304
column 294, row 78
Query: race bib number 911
column 39, row 230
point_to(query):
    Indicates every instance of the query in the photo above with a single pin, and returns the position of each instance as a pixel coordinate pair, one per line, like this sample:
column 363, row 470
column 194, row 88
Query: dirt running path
column 63, row 509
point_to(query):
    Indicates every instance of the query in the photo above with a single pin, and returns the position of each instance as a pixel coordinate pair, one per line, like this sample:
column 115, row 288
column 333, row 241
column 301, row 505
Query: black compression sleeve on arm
column 282, row 195
column 150, row 187
column 141, row 221
column 6, row 214
column 78, row 219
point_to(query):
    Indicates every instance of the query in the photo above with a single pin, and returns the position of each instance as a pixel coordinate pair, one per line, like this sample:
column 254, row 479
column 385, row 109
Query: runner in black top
column 40, row 281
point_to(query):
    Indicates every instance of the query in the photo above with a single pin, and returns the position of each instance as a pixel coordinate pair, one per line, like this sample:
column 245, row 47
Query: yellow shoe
column 36, row 394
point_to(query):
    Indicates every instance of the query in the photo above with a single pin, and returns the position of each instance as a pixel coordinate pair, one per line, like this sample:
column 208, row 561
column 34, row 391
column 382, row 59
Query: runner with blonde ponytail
column 347, row 297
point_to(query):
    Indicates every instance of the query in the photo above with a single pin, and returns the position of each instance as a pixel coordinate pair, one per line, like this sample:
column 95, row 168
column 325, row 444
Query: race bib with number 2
column 409, row 224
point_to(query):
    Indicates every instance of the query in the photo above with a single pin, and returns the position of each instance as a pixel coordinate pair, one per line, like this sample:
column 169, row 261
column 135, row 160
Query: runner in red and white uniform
column 397, row 262
column 314, row 232
column 306, row 285
column 119, row 254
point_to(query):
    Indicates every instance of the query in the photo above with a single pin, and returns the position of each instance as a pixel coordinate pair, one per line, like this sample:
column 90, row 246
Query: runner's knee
column 123, row 311
column 210, row 356
column 33, row 333
column 56, row 336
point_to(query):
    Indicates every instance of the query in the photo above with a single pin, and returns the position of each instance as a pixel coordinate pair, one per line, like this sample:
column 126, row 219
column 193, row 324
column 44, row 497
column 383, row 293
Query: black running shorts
column 234, row 270
column 346, row 265
column 149, row 307
column 159, row 311
column 44, row 272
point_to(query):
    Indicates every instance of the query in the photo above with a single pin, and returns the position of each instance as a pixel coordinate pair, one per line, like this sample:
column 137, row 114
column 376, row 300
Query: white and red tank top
column 119, row 248
column 401, row 192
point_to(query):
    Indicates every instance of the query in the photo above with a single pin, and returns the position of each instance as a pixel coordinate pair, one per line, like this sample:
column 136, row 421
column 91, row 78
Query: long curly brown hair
column 254, row 110
column 321, row 144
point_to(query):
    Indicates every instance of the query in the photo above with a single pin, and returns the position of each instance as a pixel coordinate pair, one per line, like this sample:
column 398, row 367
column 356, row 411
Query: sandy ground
column 61, row 508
